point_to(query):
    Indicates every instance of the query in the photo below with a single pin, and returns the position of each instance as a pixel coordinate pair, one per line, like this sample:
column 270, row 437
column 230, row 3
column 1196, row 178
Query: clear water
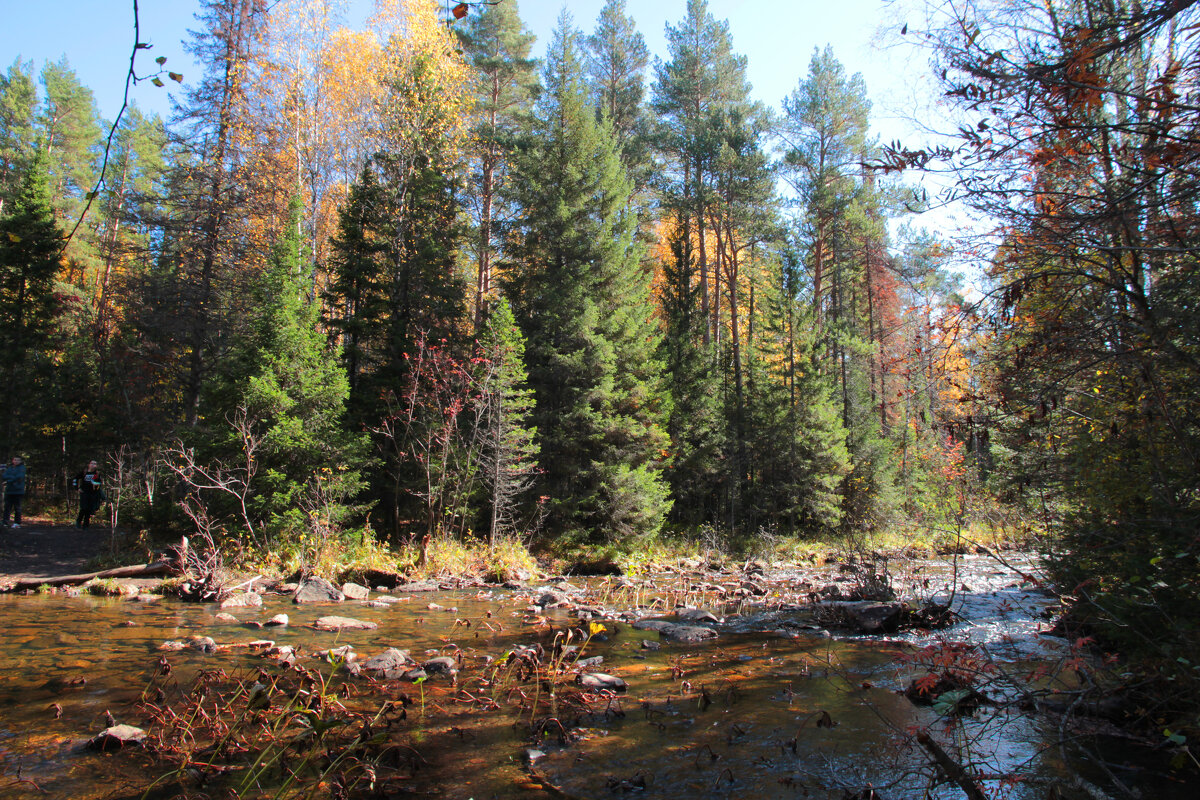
column 766, row 710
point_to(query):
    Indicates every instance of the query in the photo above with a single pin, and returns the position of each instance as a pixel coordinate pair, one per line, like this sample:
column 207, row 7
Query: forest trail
column 41, row 549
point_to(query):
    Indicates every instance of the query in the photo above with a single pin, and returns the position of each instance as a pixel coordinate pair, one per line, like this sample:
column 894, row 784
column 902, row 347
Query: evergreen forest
column 409, row 285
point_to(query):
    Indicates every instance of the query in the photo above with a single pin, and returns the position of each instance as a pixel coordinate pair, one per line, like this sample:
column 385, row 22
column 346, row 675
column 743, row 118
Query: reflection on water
column 747, row 714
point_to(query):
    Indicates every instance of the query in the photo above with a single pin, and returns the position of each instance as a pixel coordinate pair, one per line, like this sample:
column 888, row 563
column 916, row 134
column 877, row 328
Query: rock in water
column 687, row 633
column 875, row 617
column 317, row 590
column 391, row 663
column 355, row 592
column 553, row 599
column 441, row 665
column 278, row 619
column 343, row 624
column 243, row 600
column 115, row 737
column 598, row 680
column 417, row 586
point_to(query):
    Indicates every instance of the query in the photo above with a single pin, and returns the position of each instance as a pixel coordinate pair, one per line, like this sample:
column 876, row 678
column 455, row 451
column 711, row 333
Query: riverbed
column 778, row 703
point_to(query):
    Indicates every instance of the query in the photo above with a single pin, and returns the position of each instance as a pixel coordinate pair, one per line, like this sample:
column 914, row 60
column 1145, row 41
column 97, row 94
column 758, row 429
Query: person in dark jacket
column 91, row 494
column 14, row 490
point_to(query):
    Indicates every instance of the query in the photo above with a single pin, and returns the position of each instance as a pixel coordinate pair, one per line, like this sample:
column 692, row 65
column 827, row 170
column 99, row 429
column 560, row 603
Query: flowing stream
column 775, row 706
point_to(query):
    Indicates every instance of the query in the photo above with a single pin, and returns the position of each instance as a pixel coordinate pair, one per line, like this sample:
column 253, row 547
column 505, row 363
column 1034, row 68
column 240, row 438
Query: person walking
column 14, row 490
column 91, row 494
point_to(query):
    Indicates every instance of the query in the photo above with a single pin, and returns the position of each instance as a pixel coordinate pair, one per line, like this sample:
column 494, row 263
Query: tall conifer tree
column 582, row 298
column 30, row 246
column 497, row 45
column 18, row 99
column 615, row 70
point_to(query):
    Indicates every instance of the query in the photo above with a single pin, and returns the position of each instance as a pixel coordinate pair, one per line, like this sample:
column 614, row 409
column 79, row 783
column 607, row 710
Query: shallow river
column 773, row 707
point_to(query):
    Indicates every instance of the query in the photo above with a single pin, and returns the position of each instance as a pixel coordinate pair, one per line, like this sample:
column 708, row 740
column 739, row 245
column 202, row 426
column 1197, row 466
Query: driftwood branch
column 954, row 771
column 151, row 570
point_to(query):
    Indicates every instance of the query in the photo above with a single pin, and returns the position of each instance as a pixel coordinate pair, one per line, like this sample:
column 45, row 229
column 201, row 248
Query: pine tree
column 582, row 298
column 497, row 45
column 701, row 83
column 209, row 241
column 69, row 126
column 826, row 130
column 615, row 69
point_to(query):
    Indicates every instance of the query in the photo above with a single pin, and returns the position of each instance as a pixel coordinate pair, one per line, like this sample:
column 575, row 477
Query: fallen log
column 151, row 570
column 952, row 769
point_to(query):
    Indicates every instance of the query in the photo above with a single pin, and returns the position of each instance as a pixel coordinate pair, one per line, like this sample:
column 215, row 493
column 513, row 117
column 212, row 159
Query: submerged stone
column 687, row 633
column 417, row 586
column 243, row 600
column 334, row 623
column 552, row 599
column 652, row 624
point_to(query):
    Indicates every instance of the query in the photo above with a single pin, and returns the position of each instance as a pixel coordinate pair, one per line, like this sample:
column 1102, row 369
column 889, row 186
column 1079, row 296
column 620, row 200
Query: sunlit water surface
column 769, row 709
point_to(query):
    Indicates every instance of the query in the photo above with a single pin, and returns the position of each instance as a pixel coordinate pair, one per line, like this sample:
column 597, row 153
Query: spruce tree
column 18, row 99
column 583, row 300
column 509, row 446
column 30, row 243
column 30, row 247
column 394, row 288
column 296, row 391
column 698, row 469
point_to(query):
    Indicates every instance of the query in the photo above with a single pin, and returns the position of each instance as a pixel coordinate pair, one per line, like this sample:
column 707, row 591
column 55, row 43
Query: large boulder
column 317, row 590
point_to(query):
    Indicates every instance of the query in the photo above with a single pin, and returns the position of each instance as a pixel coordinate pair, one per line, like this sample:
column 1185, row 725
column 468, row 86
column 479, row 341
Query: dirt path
column 43, row 549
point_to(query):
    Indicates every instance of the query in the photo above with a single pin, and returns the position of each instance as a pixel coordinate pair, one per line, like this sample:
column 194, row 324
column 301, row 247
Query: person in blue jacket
column 14, row 490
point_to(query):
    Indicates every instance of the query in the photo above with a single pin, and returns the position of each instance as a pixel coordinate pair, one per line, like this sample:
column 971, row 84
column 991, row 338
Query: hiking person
column 14, row 490
column 91, row 494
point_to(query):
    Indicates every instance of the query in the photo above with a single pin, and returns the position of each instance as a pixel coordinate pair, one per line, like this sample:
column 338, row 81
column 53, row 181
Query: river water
column 773, row 707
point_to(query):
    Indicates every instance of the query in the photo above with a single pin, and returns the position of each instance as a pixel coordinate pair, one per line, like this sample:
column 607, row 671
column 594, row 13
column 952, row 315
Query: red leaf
column 459, row 11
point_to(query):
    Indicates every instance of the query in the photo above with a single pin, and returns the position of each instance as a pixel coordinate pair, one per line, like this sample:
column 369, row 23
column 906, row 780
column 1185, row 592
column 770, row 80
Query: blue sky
column 777, row 36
